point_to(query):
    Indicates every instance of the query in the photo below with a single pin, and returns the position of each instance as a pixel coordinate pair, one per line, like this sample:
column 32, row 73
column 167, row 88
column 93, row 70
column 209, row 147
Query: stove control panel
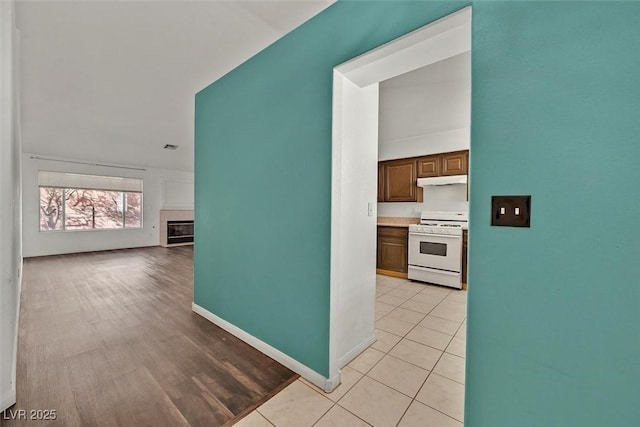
column 436, row 229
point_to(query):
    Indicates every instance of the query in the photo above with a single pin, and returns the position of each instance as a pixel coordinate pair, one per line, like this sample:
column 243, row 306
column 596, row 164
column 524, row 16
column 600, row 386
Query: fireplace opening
column 179, row 232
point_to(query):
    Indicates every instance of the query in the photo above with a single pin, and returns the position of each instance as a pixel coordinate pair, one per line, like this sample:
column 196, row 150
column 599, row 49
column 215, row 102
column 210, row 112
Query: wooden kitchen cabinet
column 380, row 182
column 393, row 250
column 456, row 163
column 465, row 251
column 429, row 166
column 444, row 164
column 397, row 181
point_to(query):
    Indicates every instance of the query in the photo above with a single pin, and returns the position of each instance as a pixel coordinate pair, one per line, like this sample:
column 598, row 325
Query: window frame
column 64, row 211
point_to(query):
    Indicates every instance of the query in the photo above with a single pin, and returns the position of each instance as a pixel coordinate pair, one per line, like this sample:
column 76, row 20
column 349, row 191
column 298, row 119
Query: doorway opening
column 354, row 175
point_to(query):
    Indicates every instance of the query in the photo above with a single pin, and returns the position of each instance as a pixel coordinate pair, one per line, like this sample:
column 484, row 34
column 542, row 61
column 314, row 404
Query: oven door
column 442, row 252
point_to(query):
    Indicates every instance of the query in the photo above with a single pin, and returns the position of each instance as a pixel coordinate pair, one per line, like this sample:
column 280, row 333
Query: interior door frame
column 355, row 87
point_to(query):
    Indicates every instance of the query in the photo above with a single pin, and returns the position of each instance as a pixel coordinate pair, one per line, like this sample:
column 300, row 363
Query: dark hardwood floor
column 109, row 338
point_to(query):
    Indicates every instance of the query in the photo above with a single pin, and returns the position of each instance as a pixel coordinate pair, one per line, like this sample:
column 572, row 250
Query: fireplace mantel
column 173, row 215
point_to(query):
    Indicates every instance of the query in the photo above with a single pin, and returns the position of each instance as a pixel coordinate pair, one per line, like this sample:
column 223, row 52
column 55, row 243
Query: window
column 89, row 202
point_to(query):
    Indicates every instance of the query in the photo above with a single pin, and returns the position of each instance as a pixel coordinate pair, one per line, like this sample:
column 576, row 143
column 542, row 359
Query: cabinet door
column 454, row 163
column 400, row 181
column 393, row 247
column 381, row 182
column 392, row 254
column 429, row 166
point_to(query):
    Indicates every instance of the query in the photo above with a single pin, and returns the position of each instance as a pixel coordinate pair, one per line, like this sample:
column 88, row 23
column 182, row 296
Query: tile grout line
column 387, row 353
column 336, row 403
column 435, row 364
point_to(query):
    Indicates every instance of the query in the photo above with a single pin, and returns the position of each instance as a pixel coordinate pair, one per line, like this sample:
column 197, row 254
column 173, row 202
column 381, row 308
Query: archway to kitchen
column 354, row 174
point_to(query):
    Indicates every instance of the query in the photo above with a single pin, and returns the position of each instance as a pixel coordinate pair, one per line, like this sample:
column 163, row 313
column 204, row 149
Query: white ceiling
column 115, row 81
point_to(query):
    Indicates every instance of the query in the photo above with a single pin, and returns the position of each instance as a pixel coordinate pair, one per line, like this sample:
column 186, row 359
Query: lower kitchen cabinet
column 393, row 250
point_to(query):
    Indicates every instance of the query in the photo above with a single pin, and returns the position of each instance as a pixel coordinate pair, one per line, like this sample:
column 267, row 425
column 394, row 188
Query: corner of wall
column 327, row 384
column 9, row 397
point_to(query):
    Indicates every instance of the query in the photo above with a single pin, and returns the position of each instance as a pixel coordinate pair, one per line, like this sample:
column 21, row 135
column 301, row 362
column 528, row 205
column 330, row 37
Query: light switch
column 511, row 211
column 370, row 208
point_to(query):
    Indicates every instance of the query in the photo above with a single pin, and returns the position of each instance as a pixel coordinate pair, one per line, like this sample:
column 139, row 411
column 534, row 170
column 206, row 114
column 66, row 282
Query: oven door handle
column 435, row 270
column 448, row 236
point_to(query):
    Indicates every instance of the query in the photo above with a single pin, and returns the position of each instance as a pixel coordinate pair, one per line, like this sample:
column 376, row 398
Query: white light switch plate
column 370, row 208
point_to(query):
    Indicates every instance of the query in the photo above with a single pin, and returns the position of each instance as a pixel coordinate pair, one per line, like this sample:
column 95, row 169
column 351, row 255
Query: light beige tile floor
column 413, row 375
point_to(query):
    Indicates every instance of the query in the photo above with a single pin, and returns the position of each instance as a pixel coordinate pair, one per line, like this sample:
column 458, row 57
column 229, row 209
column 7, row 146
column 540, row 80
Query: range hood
column 442, row 180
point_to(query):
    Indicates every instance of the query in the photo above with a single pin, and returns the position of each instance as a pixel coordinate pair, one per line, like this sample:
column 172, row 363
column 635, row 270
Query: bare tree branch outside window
column 89, row 209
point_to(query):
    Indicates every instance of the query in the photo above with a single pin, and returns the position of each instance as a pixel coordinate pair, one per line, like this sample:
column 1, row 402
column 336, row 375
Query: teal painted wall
column 263, row 176
column 554, row 310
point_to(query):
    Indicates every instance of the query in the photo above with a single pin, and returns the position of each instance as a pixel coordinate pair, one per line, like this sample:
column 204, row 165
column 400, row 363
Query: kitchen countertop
column 391, row 221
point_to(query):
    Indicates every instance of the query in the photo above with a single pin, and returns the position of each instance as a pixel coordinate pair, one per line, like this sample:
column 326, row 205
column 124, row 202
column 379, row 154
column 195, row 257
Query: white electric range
column 435, row 248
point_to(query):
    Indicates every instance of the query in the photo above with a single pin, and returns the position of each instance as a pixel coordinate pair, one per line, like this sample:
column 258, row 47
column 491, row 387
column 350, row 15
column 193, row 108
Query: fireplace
column 179, row 232
column 176, row 227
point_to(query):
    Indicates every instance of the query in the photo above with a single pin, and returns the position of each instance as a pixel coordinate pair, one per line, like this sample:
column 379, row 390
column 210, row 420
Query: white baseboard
column 14, row 368
column 326, row 384
column 355, row 352
column 9, row 398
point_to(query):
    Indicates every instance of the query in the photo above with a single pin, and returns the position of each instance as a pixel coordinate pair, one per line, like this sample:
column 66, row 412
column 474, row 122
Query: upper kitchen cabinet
column 429, row 166
column 445, row 164
column 380, row 181
column 398, row 179
column 456, row 163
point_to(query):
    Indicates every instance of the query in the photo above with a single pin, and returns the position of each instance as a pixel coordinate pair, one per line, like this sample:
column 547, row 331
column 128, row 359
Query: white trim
column 14, row 368
column 352, row 266
column 336, row 229
column 326, row 384
column 355, row 352
column 9, row 398
column 444, row 38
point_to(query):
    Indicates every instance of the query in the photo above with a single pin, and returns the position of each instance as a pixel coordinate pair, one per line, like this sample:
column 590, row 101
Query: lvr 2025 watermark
column 30, row 414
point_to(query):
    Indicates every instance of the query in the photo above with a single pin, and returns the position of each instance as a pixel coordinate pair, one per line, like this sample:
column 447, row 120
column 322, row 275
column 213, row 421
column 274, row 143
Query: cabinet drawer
column 385, row 231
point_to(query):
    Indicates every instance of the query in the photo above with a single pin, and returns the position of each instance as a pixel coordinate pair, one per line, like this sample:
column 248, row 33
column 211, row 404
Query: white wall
column 442, row 198
column 353, row 260
column 427, row 111
column 177, row 192
column 163, row 188
column 422, row 145
column 10, row 194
